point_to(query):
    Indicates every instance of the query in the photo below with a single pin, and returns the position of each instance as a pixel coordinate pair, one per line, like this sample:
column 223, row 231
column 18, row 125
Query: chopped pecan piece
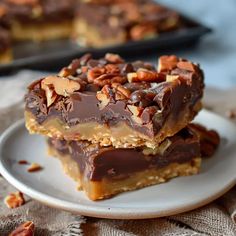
column 25, row 229
column 104, row 96
column 23, row 162
column 34, row 167
column 121, row 91
column 167, row 63
column 136, row 111
column 66, row 71
column 209, row 139
column 132, row 77
column 144, row 75
column 186, row 65
column 231, row 114
column 170, row 78
column 113, row 58
column 105, row 75
column 54, row 85
column 14, row 200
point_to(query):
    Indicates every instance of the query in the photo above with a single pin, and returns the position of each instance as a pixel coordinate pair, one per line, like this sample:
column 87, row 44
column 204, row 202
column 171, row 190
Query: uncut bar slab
column 5, row 39
column 41, row 20
column 105, row 171
column 117, row 22
column 111, row 102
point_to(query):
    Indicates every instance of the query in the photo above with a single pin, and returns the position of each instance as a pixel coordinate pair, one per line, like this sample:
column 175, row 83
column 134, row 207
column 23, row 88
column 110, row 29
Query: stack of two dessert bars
column 119, row 126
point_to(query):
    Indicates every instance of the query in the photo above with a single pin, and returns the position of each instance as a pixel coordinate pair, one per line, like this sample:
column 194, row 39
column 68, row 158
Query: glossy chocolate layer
column 38, row 11
column 98, row 162
column 114, row 16
column 156, row 100
column 5, row 40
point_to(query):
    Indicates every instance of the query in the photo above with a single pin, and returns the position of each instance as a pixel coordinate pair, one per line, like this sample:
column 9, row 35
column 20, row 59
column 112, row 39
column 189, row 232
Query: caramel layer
column 6, row 56
column 42, row 31
column 119, row 135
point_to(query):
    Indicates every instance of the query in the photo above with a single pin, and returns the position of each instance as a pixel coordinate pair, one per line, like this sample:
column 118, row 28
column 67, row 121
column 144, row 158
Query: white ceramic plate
column 52, row 187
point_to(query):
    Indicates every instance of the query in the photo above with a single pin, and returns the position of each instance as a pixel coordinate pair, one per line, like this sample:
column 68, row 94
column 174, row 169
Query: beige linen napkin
column 217, row 218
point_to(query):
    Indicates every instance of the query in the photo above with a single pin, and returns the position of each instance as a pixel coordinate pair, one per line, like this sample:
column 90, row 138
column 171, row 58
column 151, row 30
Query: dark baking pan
column 52, row 55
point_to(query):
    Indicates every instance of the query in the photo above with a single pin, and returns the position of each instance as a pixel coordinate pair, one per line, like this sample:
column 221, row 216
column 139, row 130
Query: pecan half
column 26, row 229
column 14, row 200
column 145, row 76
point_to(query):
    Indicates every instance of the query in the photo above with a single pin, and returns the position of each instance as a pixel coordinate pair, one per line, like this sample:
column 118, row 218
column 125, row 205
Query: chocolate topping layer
column 109, row 90
column 138, row 18
column 97, row 162
column 5, row 40
column 41, row 10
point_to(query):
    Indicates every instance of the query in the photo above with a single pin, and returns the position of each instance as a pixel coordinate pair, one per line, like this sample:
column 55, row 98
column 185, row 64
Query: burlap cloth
column 217, row 218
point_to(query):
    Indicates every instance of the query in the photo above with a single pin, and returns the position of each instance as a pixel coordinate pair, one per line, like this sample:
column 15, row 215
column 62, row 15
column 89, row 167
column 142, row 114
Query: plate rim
column 102, row 211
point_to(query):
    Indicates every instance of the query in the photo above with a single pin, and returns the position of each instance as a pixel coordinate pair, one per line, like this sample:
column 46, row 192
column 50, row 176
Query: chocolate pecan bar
column 105, row 171
column 111, row 102
column 41, row 19
column 106, row 22
column 5, row 39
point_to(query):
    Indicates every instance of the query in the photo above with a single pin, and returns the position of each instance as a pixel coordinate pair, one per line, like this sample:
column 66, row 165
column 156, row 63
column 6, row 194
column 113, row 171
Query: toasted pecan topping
column 25, row 229
column 105, row 75
column 14, row 200
column 112, row 80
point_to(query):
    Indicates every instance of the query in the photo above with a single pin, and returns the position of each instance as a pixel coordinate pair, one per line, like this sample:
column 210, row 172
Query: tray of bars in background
column 46, row 35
